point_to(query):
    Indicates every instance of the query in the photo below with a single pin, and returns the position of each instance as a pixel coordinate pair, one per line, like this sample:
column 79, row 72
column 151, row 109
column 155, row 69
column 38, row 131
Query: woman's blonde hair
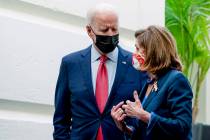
column 160, row 49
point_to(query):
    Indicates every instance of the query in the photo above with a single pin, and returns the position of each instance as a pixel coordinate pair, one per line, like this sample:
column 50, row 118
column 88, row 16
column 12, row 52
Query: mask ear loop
column 91, row 29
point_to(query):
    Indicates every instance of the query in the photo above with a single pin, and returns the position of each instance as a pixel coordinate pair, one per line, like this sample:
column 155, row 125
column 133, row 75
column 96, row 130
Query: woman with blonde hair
column 163, row 109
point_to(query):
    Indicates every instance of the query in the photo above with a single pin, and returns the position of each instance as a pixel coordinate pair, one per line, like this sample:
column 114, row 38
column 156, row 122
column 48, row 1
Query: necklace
column 154, row 86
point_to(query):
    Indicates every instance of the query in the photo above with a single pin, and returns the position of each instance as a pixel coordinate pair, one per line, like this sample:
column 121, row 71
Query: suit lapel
column 122, row 66
column 153, row 95
column 143, row 92
column 150, row 96
column 149, row 99
column 85, row 64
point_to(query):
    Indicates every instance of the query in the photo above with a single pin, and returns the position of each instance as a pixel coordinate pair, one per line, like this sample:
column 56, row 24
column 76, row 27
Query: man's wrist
column 126, row 129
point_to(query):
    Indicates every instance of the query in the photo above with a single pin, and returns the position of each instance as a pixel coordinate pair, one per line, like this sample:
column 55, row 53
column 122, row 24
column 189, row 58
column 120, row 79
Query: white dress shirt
column 111, row 65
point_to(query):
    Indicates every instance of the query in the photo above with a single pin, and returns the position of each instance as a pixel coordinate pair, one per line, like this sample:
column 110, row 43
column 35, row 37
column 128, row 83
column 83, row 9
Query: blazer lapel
column 85, row 64
column 143, row 92
column 149, row 99
column 122, row 66
column 153, row 95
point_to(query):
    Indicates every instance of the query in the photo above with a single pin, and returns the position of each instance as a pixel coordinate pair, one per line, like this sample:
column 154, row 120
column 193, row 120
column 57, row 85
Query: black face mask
column 106, row 44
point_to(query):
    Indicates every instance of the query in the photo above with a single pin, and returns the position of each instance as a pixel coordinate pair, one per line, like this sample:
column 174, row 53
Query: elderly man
column 92, row 80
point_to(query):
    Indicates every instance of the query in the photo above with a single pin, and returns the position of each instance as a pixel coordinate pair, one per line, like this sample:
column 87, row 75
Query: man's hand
column 118, row 116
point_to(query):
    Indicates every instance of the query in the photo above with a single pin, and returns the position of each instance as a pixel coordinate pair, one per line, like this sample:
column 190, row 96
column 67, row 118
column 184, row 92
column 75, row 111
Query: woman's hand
column 135, row 109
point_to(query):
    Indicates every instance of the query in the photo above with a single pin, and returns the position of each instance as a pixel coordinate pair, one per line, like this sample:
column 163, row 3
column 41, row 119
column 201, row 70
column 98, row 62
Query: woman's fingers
column 127, row 108
column 130, row 103
column 136, row 97
column 129, row 113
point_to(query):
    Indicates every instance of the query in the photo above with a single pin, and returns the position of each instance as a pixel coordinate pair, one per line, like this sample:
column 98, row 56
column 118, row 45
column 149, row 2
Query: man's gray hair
column 102, row 7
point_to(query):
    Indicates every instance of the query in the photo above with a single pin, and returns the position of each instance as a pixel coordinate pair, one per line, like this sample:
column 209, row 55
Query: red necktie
column 101, row 90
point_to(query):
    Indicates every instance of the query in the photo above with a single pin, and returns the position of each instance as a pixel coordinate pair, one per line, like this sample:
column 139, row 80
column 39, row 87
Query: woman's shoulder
column 177, row 77
column 171, row 76
column 173, row 73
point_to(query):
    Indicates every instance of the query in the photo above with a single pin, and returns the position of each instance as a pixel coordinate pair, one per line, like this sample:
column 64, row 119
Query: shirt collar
column 112, row 55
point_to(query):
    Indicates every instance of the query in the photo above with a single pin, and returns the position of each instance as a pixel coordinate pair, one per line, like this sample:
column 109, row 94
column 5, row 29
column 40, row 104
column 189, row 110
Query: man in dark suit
column 92, row 80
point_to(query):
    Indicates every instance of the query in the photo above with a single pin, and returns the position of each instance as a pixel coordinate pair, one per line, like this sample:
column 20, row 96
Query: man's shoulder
column 123, row 51
column 74, row 56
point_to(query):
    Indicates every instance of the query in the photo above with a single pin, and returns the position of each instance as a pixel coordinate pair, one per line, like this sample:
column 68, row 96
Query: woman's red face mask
column 138, row 58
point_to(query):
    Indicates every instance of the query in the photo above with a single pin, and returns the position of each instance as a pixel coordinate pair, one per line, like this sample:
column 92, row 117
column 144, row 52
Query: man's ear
column 88, row 29
column 90, row 33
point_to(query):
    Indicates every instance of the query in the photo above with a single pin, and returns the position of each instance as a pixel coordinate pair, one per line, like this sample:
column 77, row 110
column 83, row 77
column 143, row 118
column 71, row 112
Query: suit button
column 101, row 118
